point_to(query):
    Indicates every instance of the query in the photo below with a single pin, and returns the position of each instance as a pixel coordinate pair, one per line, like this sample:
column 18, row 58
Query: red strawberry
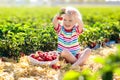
column 46, row 53
column 39, row 59
column 40, row 54
column 22, row 54
column 54, row 57
column 60, row 18
column 54, row 66
column 48, row 58
column 93, row 44
column 55, row 54
column 33, row 56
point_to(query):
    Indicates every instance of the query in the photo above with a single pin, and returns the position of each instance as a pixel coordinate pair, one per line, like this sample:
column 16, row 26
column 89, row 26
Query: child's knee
column 88, row 50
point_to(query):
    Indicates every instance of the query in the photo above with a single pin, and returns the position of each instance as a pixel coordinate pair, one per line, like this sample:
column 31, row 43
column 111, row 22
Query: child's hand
column 59, row 17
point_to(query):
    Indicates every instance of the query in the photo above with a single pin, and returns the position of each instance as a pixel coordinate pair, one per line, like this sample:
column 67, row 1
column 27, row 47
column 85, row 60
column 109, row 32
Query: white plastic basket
column 36, row 62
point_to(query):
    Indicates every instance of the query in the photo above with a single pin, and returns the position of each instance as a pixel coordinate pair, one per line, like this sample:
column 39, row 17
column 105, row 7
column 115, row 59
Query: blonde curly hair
column 67, row 9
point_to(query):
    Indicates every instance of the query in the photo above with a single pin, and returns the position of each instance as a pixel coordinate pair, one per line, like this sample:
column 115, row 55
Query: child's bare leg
column 68, row 56
column 83, row 57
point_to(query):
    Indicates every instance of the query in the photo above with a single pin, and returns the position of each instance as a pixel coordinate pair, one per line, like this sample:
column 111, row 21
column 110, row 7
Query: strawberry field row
column 30, row 29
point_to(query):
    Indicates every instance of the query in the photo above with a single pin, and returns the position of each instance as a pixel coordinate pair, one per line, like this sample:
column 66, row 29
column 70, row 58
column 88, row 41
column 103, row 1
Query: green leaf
column 117, row 71
column 99, row 60
column 71, row 75
column 107, row 75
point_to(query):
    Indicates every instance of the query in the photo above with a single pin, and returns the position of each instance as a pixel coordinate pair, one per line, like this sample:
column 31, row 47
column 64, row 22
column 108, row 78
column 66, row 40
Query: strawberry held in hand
column 60, row 14
column 59, row 18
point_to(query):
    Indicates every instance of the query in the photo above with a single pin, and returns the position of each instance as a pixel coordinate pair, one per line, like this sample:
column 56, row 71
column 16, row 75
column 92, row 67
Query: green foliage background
column 28, row 29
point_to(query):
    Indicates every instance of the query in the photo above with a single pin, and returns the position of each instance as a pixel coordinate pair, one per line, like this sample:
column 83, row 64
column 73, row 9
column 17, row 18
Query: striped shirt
column 68, row 40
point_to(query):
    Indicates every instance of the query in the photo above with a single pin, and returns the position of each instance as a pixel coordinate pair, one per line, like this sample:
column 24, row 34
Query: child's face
column 68, row 21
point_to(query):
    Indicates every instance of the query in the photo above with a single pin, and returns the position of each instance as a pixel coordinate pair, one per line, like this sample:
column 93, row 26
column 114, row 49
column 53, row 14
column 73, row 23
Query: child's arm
column 58, row 17
column 57, row 25
column 55, row 21
column 80, row 24
column 78, row 20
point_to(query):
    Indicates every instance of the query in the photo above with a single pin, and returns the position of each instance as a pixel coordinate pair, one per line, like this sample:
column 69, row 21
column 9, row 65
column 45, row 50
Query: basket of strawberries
column 44, row 58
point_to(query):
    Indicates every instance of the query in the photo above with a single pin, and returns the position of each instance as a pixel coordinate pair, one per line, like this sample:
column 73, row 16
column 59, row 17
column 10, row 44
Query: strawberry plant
column 29, row 29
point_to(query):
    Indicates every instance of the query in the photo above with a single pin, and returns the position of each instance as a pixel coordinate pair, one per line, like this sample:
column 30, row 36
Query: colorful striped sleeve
column 58, row 28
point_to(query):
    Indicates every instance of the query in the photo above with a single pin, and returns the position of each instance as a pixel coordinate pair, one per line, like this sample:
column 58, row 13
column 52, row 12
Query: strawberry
column 59, row 18
column 54, row 57
column 22, row 54
column 33, row 56
column 54, row 66
column 48, row 58
column 44, row 55
column 39, row 52
column 93, row 44
column 39, row 59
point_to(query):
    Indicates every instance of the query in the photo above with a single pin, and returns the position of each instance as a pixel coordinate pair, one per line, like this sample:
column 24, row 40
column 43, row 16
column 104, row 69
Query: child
column 68, row 32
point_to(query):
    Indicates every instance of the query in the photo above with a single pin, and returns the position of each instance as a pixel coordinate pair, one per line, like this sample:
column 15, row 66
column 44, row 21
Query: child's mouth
column 67, row 25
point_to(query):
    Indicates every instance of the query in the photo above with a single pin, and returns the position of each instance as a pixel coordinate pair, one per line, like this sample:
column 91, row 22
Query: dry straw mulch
column 24, row 70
